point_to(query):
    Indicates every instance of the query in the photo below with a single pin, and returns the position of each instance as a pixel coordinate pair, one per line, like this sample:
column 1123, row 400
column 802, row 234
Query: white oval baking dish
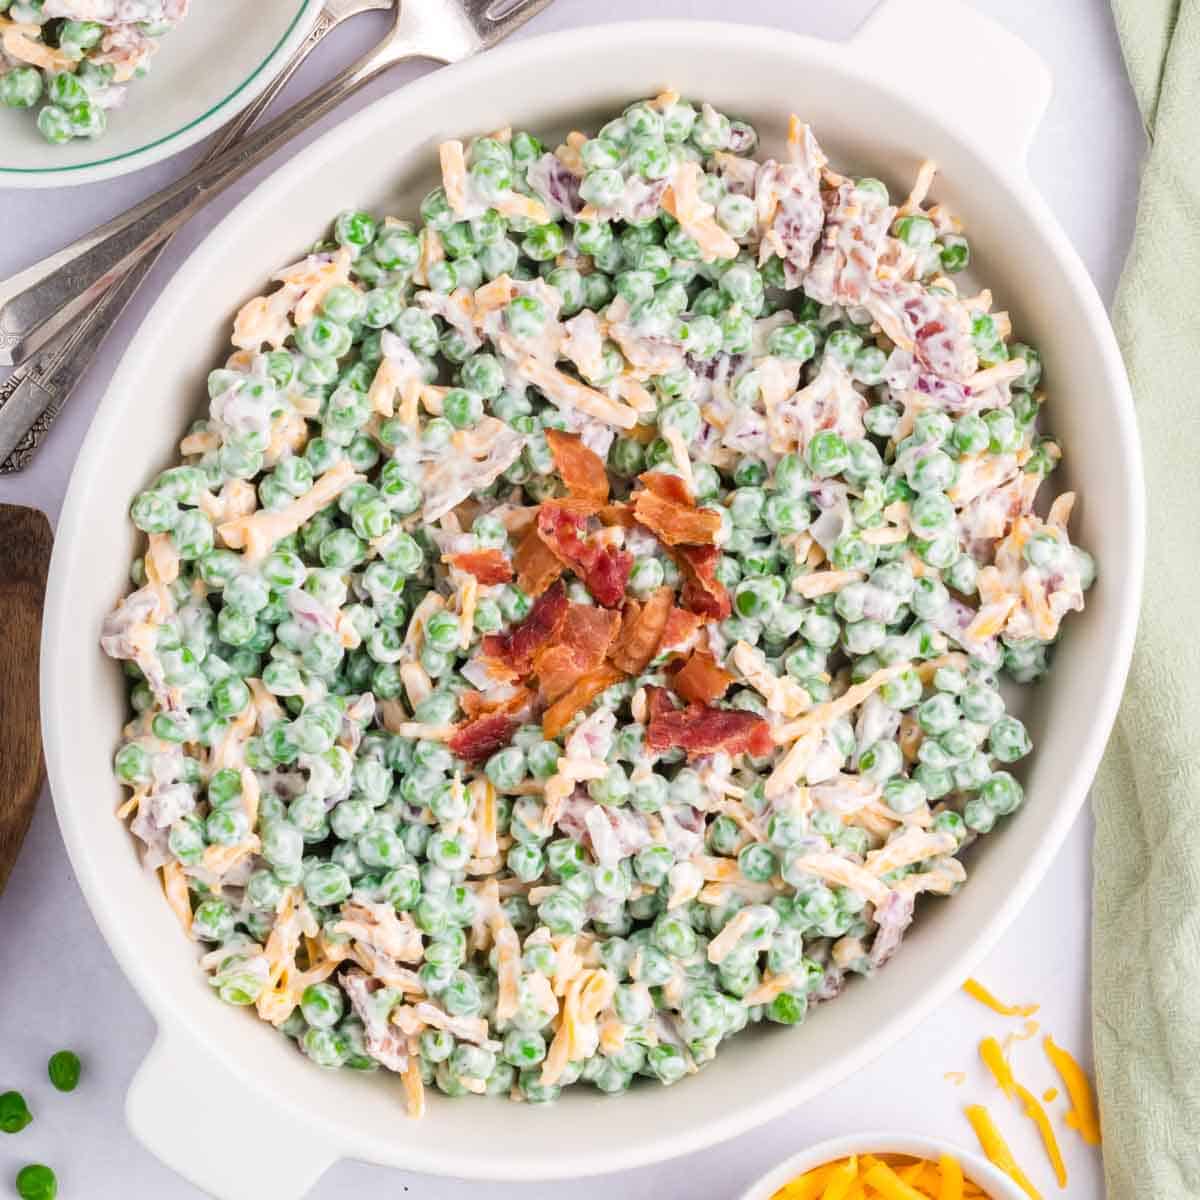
column 217, row 1077
column 218, row 61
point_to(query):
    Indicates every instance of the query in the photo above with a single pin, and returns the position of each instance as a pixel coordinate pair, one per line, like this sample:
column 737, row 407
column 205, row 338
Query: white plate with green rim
column 206, row 71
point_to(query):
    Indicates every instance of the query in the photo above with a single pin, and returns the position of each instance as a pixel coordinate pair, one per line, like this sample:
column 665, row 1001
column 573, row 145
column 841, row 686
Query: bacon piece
column 703, row 593
column 488, row 566
column 680, row 627
column 517, row 647
column 478, row 740
column 562, row 525
column 537, row 565
column 666, row 509
column 700, row 729
column 642, row 629
column 585, row 689
column 608, row 575
column 579, row 646
column 700, row 680
column 474, row 705
column 669, row 487
column 617, row 513
column 582, row 470
column 658, row 702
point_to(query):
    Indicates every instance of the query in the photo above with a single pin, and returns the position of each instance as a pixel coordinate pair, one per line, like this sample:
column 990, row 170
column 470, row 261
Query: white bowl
column 978, row 1170
column 206, row 71
column 219, row 1078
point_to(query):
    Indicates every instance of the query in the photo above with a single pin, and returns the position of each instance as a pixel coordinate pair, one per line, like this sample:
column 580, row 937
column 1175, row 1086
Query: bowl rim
column 975, row 1167
column 113, row 166
column 156, row 990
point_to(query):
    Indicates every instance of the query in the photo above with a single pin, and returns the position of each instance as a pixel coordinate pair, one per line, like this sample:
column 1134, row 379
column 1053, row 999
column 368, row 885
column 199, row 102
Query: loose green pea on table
column 36, row 1182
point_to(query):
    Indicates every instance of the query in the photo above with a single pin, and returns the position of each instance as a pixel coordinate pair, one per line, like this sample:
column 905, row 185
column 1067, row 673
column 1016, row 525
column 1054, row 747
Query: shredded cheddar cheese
column 882, row 1177
column 976, row 990
column 995, row 1147
column 1082, row 1116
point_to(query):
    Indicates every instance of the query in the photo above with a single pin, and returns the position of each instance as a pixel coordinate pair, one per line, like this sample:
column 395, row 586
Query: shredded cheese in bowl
column 883, row 1177
column 885, row 1166
column 574, row 631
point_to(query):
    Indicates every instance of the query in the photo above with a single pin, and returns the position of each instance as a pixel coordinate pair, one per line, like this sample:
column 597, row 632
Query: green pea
column 827, row 454
column 355, row 229
column 646, row 576
column 978, row 815
column 323, row 1005
column 396, row 249
column 36, row 1182
column 788, row 1008
column 880, row 761
column 757, row 862
column 561, row 912
column 14, row 1112
column 20, row 87
column 1002, row 793
column 881, row 420
column 602, row 188
column 543, row 243
column 915, row 231
column 930, row 514
column 955, row 253
column 506, row 768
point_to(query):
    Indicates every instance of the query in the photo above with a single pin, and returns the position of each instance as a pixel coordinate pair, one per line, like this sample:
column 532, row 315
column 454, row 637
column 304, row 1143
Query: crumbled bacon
column 517, row 647
column 488, row 566
column 474, row 704
column 478, row 740
column 700, row 729
column 537, row 565
column 700, row 680
column 617, row 513
column 680, row 627
column 642, row 627
column 562, row 525
column 665, row 507
column 582, row 470
column 703, row 593
column 585, row 689
column 669, row 487
column 579, row 646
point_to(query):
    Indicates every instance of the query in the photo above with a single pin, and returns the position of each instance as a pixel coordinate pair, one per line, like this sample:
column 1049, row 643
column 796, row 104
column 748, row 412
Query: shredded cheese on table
column 994, row 1060
column 1082, row 1116
column 976, row 990
column 996, row 1148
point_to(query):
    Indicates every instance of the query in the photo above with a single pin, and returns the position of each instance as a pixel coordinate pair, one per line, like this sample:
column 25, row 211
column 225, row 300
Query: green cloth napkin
column 1146, row 937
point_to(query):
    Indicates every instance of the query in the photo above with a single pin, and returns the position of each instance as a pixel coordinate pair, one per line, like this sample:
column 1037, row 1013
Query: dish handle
column 191, row 1113
column 981, row 79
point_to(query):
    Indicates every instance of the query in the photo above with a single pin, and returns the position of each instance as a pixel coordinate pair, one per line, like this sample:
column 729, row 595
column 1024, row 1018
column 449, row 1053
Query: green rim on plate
column 112, row 158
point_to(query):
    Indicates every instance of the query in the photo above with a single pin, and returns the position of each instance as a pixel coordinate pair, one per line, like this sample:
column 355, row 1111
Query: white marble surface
column 59, row 986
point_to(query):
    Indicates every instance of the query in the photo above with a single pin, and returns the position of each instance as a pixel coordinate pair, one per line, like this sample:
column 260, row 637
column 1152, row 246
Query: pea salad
column 575, row 630
column 71, row 61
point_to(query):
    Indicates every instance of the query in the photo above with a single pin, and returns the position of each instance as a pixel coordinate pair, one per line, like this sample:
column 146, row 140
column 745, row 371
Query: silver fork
column 37, row 391
column 43, row 299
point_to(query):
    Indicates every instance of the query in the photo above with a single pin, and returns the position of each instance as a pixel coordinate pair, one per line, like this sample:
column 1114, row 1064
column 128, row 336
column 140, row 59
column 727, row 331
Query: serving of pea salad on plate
column 575, row 630
column 70, row 62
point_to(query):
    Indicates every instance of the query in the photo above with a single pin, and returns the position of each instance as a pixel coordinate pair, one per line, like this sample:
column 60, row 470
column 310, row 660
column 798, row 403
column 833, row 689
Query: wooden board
column 25, row 541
